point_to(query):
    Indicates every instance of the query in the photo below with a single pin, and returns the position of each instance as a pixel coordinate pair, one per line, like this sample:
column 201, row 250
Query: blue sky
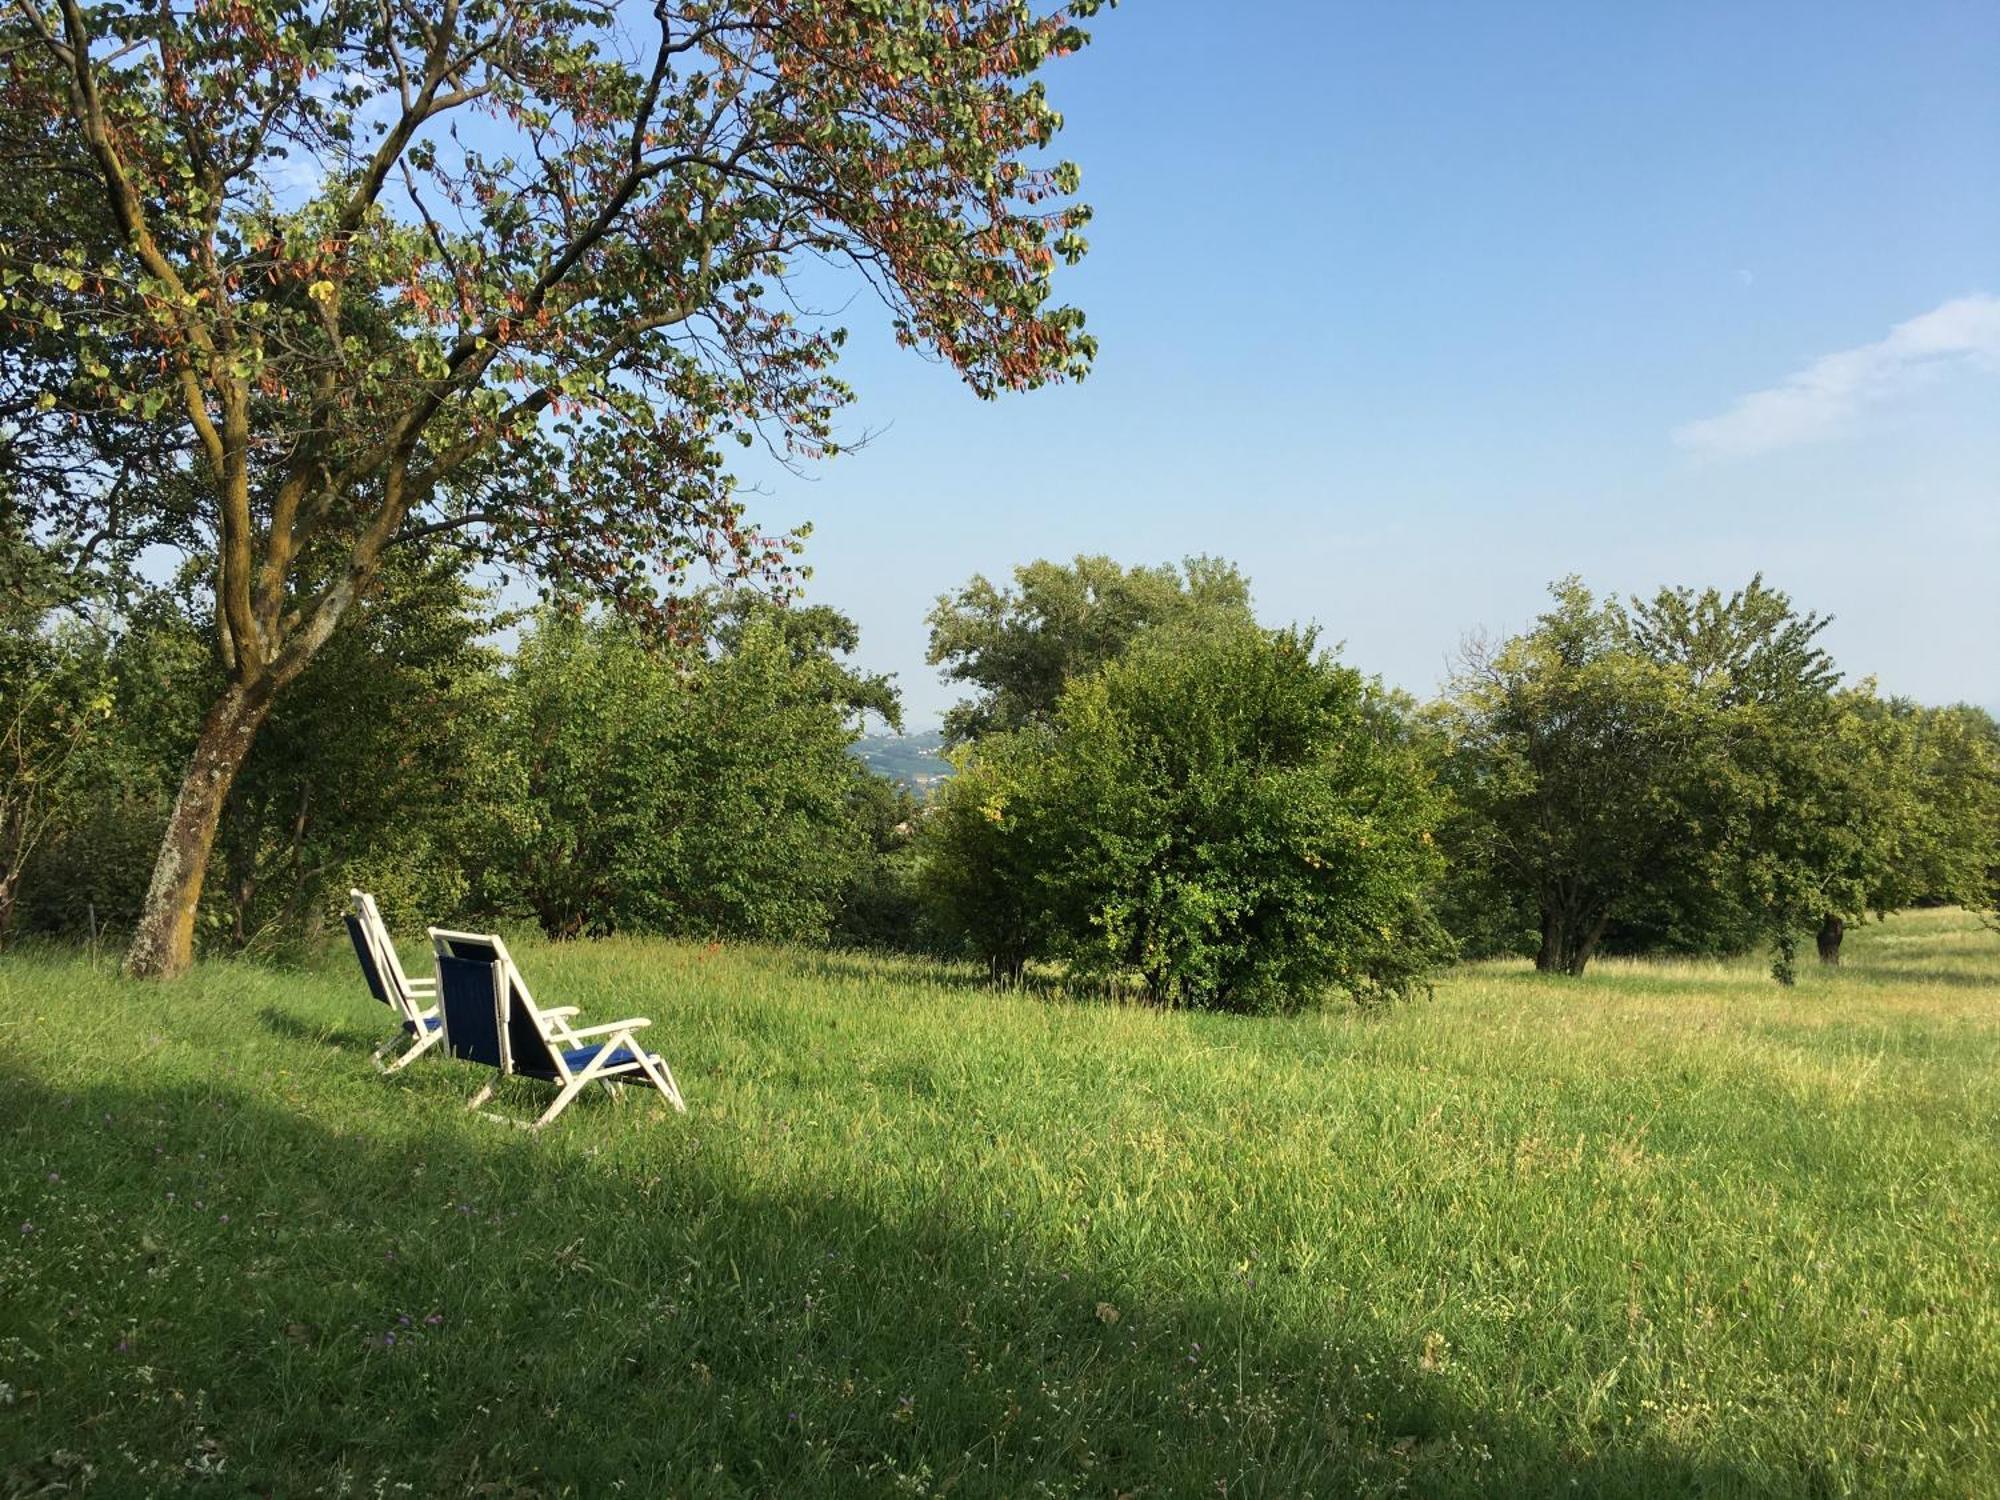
column 1410, row 309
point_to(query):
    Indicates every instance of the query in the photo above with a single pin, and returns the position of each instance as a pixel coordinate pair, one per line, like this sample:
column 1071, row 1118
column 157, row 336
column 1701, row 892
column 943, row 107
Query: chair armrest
column 558, row 1018
column 423, row 986
column 609, row 1026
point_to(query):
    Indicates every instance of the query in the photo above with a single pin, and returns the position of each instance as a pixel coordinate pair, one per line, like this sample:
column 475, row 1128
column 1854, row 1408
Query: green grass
column 1666, row 1230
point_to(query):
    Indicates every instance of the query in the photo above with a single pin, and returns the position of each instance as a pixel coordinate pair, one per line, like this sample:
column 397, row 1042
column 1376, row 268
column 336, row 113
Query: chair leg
column 570, row 1090
column 424, row 1044
column 663, row 1080
column 481, row 1097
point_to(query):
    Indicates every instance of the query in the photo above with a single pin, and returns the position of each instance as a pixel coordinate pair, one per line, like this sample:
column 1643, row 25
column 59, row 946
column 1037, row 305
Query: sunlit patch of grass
column 1666, row 1229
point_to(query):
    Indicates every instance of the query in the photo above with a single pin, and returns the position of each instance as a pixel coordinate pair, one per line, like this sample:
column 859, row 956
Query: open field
column 1659, row 1231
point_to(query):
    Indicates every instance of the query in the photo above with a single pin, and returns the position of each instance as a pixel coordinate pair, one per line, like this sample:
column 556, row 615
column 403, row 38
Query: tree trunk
column 1569, row 941
column 1586, row 950
column 1831, row 930
column 1549, row 957
column 163, row 942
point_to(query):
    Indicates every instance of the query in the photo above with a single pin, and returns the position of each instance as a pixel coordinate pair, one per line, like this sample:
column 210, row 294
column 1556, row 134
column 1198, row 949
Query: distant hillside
column 915, row 760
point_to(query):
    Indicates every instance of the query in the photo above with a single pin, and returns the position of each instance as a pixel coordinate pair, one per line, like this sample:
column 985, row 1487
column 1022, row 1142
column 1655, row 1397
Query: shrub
column 1231, row 817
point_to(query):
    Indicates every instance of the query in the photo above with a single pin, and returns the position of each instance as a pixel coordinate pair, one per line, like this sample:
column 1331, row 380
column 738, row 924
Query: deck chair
column 490, row 1018
column 413, row 1000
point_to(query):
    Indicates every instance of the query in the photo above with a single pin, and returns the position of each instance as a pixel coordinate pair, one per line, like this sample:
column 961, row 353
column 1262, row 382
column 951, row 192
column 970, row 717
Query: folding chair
column 490, row 1018
column 413, row 1000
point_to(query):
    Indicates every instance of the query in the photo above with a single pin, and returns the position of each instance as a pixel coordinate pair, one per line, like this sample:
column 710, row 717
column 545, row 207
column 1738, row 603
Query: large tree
column 490, row 276
column 1585, row 765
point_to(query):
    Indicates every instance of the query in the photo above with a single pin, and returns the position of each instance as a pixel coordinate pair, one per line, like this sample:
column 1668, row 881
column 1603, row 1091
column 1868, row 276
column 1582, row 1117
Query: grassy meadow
column 1665, row 1230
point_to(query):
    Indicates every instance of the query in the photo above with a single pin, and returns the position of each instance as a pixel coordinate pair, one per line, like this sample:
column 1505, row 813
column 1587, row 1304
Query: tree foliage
column 700, row 792
column 1020, row 647
column 497, row 278
column 55, row 709
column 379, row 771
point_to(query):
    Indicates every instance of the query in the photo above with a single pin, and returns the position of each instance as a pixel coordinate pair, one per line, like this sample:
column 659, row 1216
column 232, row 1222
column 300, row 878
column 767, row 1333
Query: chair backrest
column 391, row 966
column 365, row 951
column 471, row 992
column 511, row 1033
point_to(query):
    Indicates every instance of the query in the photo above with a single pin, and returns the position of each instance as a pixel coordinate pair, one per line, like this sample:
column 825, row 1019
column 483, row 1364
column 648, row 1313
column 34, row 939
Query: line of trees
column 591, row 778
column 1687, row 773
column 1152, row 791
column 1149, row 786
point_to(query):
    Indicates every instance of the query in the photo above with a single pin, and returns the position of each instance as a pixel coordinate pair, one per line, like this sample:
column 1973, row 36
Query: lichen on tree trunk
column 163, row 942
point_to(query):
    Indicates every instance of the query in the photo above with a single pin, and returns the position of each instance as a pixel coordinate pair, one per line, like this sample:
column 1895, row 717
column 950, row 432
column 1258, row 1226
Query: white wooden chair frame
column 413, row 1000
column 511, row 992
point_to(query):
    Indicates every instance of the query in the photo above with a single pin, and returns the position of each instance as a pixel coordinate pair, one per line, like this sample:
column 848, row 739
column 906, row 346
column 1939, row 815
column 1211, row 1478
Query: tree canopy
column 1019, row 647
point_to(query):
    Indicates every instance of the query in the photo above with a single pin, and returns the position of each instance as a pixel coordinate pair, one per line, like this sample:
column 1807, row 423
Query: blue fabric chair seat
column 580, row 1058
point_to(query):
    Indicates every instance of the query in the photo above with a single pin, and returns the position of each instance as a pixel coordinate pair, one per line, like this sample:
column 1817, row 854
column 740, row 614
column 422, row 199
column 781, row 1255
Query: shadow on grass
column 208, row 1286
column 338, row 1034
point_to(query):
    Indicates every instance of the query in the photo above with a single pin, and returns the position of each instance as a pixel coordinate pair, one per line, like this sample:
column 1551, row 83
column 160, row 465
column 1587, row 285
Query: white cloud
column 1817, row 401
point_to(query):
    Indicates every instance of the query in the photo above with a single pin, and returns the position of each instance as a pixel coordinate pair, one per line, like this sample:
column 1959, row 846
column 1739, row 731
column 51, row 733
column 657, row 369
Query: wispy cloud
column 1817, row 401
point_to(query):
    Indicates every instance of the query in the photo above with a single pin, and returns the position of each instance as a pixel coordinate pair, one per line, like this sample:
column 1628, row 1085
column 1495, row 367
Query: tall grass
column 1665, row 1230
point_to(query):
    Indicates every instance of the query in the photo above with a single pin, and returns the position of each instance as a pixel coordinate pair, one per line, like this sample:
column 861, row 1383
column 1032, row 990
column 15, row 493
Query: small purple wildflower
column 223, row 1219
column 404, row 1319
column 434, row 1320
column 55, row 1177
column 792, row 1418
column 26, row 1227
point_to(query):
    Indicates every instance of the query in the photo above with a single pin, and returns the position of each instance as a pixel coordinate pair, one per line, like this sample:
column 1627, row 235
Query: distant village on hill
column 914, row 760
